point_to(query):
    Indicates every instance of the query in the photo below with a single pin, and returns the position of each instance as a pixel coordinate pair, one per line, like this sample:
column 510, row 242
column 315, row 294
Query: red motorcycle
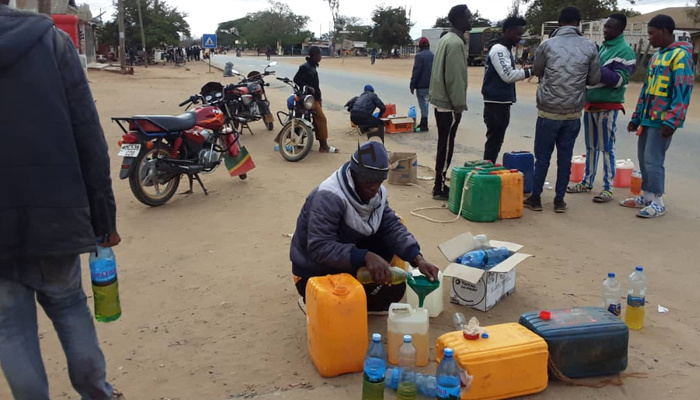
column 159, row 149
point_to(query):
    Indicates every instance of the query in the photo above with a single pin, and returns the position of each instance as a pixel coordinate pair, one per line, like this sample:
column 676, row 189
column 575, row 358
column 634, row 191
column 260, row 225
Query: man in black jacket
column 498, row 88
column 56, row 201
column 307, row 75
column 362, row 110
column 420, row 80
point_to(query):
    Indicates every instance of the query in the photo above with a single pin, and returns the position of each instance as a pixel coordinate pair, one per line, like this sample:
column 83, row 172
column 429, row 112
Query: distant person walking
column 498, row 88
column 448, row 92
column 566, row 63
column 661, row 110
column 307, row 75
column 420, row 80
column 603, row 103
column 53, row 207
column 373, row 56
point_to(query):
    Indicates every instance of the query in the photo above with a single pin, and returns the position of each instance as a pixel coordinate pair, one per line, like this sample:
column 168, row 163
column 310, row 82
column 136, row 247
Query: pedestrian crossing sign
column 209, row 41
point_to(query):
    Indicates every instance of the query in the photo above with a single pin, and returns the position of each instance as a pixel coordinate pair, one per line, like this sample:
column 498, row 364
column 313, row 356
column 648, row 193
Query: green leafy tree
column 162, row 24
column 695, row 12
column 266, row 28
column 391, row 27
column 477, row 21
column 540, row 11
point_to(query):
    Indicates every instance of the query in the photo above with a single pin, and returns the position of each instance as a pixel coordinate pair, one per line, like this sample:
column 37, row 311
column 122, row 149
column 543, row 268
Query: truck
column 478, row 39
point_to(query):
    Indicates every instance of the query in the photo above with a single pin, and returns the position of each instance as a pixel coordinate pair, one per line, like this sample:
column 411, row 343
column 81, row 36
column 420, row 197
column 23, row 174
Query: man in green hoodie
column 448, row 92
column 603, row 103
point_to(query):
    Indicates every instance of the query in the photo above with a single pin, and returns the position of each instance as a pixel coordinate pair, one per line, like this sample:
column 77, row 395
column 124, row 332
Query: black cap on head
column 664, row 22
column 569, row 15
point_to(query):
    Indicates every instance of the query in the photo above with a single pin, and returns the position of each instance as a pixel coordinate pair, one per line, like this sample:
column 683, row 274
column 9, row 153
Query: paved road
column 338, row 86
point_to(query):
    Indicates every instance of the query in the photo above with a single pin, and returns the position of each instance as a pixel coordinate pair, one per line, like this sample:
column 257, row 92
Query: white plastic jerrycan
column 433, row 302
column 406, row 320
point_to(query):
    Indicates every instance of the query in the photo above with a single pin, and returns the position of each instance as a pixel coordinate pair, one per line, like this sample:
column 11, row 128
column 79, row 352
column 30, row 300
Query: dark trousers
column 365, row 121
column 447, row 124
column 548, row 134
column 497, row 119
column 379, row 297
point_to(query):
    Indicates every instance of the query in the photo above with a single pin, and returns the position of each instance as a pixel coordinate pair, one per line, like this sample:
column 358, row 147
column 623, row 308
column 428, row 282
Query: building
column 684, row 22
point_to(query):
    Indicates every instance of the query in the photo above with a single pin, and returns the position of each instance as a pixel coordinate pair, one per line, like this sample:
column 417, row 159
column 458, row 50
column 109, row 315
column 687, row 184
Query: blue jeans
column 56, row 283
column 422, row 95
column 599, row 128
column 550, row 133
column 651, row 151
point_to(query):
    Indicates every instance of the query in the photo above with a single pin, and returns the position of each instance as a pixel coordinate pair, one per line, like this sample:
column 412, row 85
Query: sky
column 204, row 15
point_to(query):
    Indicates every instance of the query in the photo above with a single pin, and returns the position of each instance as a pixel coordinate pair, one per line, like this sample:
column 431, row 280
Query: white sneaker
column 302, row 305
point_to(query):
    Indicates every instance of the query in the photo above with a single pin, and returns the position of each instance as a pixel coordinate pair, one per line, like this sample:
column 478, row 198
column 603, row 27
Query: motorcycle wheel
column 295, row 145
column 144, row 175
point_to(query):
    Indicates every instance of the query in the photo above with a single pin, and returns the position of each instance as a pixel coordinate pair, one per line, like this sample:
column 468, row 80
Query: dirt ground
column 209, row 306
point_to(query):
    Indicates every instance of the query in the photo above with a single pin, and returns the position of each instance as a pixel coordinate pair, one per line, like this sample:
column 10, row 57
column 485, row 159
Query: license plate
column 129, row 150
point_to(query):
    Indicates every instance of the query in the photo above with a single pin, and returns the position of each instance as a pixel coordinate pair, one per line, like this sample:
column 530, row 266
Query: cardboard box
column 403, row 168
column 476, row 287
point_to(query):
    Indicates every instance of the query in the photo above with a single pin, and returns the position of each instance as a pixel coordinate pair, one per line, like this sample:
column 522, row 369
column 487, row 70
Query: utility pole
column 143, row 36
column 122, row 44
column 44, row 7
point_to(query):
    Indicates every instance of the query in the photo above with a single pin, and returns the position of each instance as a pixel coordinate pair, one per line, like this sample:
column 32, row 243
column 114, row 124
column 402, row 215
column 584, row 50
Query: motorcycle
column 296, row 138
column 252, row 99
column 159, row 149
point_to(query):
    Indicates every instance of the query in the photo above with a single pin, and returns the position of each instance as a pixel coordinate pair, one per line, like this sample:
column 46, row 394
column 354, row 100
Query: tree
column 540, row 11
column 391, row 27
column 695, row 12
column 477, row 21
column 266, row 28
column 352, row 28
column 161, row 24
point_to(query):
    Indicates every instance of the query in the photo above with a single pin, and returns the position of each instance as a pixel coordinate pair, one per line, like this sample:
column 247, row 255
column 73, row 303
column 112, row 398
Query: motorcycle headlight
column 247, row 99
column 309, row 102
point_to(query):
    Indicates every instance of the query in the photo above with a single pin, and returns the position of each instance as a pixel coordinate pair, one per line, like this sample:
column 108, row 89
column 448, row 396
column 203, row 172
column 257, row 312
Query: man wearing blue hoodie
column 56, row 199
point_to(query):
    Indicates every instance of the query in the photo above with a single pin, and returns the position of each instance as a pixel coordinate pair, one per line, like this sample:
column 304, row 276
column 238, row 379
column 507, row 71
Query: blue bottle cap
column 484, row 335
column 449, row 352
column 611, row 274
column 377, row 337
column 639, row 268
column 407, row 338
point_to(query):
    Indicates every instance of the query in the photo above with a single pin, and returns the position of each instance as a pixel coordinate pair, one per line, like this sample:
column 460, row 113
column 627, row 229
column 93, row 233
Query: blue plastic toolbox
column 523, row 161
column 583, row 342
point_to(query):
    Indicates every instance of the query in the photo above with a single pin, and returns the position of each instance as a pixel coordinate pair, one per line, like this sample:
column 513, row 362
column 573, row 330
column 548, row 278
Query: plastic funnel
column 423, row 287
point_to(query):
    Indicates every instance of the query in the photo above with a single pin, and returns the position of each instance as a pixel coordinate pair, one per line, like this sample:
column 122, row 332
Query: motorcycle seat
column 170, row 123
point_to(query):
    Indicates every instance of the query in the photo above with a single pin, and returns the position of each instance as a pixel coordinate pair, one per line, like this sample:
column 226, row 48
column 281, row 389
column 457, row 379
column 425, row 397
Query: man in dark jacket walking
column 56, row 200
column 498, row 88
column 420, row 80
column 346, row 223
column 307, row 75
column 362, row 109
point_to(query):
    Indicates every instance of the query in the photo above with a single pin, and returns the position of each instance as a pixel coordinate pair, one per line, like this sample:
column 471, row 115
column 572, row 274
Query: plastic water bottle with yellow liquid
column 636, row 298
column 374, row 370
column 105, row 287
column 398, row 276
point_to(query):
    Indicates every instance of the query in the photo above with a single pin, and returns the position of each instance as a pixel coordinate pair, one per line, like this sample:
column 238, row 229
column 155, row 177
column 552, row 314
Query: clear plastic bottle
column 636, row 183
column 481, row 242
column 612, row 293
column 426, row 385
column 398, row 276
column 459, row 321
column 374, row 370
column 482, row 258
column 636, row 298
column 448, row 377
column 105, row 287
column 407, row 363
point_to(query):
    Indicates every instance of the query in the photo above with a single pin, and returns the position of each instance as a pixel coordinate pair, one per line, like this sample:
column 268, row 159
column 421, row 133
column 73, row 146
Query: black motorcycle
column 296, row 138
column 251, row 97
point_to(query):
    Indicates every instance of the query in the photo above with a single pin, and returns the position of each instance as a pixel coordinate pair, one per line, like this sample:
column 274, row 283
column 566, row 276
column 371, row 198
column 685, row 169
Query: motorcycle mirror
column 218, row 94
column 235, row 72
column 272, row 64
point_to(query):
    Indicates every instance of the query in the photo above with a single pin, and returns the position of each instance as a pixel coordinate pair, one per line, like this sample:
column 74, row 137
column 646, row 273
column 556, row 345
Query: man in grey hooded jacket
column 56, row 202
column 566, row 63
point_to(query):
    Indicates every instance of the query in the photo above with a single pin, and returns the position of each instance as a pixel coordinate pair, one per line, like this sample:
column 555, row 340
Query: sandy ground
column 210, row 310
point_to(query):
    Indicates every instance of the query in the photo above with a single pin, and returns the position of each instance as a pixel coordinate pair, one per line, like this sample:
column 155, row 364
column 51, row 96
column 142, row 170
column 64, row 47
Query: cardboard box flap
column 459, row 271
column 510, row 262
column 401, row 120
column 457, row 246
column 513, row 247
